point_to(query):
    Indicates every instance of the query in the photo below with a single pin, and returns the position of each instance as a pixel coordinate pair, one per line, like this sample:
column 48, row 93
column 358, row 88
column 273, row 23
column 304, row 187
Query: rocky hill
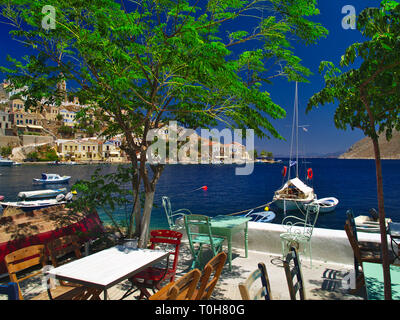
column 364, row 149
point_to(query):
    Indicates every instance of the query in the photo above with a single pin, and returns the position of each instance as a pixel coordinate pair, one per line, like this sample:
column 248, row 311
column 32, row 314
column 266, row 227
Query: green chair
column 299, row 230
column 175, row 218
column 198, row 229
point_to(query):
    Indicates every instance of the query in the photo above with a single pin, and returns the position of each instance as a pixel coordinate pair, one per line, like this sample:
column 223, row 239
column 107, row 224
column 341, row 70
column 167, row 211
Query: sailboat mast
column 297, row 131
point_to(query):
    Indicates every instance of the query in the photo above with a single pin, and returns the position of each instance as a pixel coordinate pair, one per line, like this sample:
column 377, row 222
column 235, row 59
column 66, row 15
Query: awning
column 296, row 182
column 34, row 127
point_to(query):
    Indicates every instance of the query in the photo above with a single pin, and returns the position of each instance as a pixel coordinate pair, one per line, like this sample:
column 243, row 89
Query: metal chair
column 262, row 293
column 293, row 273
column 198, row 229
column 11, row 290
column 175, row 218
column 152, row 277
column 299, row 230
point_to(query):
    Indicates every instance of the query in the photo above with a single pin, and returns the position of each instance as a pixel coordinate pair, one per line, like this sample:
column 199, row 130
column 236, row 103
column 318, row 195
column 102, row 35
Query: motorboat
column 52, row 178
column 262, row 216
column 327, row 204
column 38, row 204
column 41, row 194
column 6, row 162
column 369, row 224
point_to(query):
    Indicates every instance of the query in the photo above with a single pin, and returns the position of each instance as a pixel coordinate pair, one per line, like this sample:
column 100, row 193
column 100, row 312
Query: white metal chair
column 299, row 230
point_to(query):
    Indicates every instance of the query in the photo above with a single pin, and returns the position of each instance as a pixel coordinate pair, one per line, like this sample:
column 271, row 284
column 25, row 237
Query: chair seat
column 206, row 240
column 153, row 274
column 374, row 256
column 61, row 293
column 299, row 237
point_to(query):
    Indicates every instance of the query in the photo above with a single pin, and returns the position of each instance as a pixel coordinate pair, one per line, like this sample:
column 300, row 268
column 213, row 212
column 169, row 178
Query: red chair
column 152, row 277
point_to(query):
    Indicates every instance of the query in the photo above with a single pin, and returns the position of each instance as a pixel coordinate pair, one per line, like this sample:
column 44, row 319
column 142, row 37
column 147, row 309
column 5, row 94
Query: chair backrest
column 11, row 290
column 353, row 241
column 207, row 284
column 198, row 225
column 23, row 259
column 166, row 203
column 262, row 293
column 307, row 222
column 62, row 246
column 182, row 289
column 172, row 239
column 294, row 276
column 352, row 222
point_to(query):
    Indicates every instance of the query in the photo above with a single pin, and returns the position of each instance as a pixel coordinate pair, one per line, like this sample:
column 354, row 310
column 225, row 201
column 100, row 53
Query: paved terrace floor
column 323, row 281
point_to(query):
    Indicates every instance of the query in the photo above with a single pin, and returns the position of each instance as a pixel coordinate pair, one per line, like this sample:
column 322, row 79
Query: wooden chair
column 11, row 290
column 24, row 259
column 152, row 277
column 207, row 284
column 246, row 287
column 198, row 229
column 362, row 253
column 294, row 276
column 182, row 289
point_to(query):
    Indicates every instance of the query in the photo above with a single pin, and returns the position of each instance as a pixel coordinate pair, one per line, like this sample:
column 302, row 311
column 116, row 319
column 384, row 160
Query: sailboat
column 294, row 194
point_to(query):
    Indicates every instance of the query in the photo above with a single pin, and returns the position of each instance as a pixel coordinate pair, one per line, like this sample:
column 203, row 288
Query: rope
column 264, row 205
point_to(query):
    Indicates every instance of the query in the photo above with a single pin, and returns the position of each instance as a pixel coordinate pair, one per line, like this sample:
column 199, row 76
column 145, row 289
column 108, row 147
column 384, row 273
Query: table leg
column 230, row 250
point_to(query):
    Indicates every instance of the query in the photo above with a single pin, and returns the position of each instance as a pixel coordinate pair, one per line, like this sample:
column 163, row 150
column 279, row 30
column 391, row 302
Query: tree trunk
column 382, row 223
column 145, row 221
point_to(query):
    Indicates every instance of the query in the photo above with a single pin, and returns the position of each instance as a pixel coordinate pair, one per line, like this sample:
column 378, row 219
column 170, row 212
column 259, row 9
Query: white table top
column 108, row 267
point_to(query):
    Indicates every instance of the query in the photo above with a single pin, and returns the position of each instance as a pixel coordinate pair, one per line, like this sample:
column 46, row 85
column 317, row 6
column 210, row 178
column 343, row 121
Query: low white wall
column 327, row 245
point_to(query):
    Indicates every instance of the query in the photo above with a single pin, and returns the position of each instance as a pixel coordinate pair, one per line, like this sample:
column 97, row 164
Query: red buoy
column 1, row 198
column 204, row 188
column 284, row 171
column 309, row 173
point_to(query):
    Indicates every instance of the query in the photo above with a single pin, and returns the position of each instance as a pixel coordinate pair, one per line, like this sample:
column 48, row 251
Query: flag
column 292, row 163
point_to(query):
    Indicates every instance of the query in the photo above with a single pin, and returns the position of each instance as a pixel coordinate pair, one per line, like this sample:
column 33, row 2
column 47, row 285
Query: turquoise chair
column 174, row 218
column 299, row 230
column 198, row 229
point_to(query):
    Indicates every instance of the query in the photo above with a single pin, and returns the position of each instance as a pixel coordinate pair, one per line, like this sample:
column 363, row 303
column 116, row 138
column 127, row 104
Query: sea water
column 353, row 182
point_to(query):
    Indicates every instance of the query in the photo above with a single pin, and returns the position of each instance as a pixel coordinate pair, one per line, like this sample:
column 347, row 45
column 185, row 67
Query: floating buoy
column 204, row 188
column 309, row 173
column 266, row 208
column 1, row 198
column 284, row 171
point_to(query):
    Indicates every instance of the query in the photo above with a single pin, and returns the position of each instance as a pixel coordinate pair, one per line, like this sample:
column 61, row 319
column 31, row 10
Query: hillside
column 364, row 149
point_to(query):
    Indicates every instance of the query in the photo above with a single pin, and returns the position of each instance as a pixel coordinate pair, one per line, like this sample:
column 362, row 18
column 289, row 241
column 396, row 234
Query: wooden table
column 106, row 268
column 373, row 274
column 228, row 225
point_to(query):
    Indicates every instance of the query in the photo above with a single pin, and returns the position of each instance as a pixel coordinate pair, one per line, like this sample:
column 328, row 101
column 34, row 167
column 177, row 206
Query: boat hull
column 31, row 205
column 327, row 204
column 6, row 163
column 290, row 204
column 41, row 226
column 55, row 181
column 41, row 194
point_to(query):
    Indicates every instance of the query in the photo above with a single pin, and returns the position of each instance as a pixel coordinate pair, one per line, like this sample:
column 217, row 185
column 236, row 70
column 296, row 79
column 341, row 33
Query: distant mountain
column 313, row 155
column 364, row 149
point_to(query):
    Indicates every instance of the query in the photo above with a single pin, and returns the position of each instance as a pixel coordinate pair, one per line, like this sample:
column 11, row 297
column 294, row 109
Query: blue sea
column 353, row 182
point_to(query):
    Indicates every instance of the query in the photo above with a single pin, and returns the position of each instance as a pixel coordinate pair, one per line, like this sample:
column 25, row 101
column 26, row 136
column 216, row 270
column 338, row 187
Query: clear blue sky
column 322, row 136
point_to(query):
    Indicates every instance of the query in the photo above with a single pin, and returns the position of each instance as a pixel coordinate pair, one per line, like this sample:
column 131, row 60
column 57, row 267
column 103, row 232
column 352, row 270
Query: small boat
column 41, row 194
column 369, row 224
column 326, row 204
column 38, row 204
column 41, row 226
column 263, row 216
column 52, row 178
column 6, row 162
column 294, row 195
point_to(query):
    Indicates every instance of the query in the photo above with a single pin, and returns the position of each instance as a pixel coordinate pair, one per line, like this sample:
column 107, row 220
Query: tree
column 369, row 96
column 141, row 64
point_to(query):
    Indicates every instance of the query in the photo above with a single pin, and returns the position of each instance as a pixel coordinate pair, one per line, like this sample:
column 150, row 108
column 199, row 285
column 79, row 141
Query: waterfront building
column 5, row 124
column 80, row 150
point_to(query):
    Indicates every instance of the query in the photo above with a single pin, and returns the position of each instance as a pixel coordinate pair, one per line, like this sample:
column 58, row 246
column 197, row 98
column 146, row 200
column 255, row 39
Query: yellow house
column 80, row 150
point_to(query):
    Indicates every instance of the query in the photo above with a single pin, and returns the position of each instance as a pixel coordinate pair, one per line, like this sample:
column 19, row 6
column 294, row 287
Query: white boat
column 327, row 204
column 38, row 204
column 41, row 194
column 52, row 178
column 6, row 162
column 263, row 216
column 294, row 194
column 368, row 224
